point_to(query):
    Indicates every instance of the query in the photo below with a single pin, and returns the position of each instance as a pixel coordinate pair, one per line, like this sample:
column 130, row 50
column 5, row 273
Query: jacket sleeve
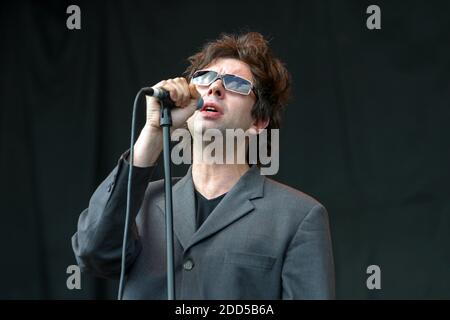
column 308, row 268
column 97, row 244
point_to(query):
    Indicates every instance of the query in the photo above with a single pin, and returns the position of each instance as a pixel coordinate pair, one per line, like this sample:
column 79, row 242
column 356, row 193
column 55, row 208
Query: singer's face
column 232, row 110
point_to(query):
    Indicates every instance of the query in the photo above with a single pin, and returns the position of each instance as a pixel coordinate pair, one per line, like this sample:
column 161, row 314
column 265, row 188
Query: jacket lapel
column 233, row 206
column 183, row 208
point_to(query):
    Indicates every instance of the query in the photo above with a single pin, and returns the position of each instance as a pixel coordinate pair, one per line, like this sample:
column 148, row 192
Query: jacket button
column 188, row 265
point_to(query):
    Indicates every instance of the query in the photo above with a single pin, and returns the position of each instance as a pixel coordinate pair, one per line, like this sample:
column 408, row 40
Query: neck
column 213, row 180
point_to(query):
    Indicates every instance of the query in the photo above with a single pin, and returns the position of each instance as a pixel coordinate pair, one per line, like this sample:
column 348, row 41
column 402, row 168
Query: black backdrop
column 367, row 132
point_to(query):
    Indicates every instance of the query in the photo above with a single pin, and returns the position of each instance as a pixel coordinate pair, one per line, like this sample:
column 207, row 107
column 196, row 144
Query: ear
column 258, row 125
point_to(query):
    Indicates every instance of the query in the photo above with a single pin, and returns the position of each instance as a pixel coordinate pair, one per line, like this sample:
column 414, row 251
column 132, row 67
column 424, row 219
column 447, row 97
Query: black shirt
column 204, row 207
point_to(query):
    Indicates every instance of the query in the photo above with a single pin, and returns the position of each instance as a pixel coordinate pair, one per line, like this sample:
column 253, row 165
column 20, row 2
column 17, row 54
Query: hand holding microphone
column 184, row 96
column 184, row 99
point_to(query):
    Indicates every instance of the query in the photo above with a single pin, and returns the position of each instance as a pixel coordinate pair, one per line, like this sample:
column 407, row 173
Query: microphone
column 162, row 94
column 158, row 93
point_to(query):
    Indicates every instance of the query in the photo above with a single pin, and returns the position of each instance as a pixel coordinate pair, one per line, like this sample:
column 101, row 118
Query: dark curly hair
column 272, row 80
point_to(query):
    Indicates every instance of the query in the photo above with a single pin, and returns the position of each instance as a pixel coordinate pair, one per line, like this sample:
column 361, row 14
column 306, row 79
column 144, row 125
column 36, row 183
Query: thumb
column 193, row 91
column 196, row 98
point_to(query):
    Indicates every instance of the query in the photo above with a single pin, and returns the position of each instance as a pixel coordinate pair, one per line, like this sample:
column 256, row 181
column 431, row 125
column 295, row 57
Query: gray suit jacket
column 264, row 240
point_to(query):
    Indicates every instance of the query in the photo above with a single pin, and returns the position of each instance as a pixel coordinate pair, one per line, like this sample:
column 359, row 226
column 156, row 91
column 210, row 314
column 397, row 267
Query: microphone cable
column 130, row 174
column 127, row 214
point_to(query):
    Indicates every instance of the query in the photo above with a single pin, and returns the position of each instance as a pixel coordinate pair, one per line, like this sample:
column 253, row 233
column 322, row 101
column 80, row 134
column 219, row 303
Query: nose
column 216, row 89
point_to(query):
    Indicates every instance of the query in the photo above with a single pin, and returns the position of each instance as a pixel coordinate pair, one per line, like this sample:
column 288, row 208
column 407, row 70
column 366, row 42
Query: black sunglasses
column 230, row 82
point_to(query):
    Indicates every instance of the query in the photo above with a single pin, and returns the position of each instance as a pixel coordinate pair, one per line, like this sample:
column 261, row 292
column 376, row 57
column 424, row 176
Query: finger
column 158, row 85
column 167, row 86
column 193, row 92
column 184, row 87
column 182, row 92
column 171, row 89
column 149, row 99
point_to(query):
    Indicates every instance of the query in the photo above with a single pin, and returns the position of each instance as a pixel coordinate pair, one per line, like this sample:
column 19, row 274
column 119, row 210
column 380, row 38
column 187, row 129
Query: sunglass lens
column 204, row 77
column 237, row 84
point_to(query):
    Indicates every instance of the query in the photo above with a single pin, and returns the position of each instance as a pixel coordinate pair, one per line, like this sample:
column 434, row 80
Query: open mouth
column 210, row 109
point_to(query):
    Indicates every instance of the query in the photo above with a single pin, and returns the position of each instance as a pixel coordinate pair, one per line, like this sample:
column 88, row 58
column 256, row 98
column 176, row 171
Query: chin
column 200, row 125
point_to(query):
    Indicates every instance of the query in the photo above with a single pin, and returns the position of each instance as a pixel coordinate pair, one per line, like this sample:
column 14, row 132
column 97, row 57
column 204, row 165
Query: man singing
column 237, row 233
